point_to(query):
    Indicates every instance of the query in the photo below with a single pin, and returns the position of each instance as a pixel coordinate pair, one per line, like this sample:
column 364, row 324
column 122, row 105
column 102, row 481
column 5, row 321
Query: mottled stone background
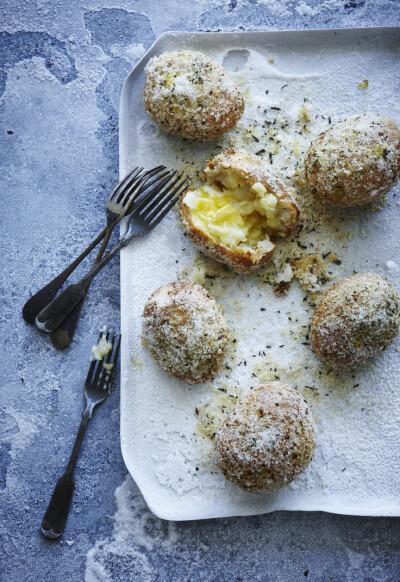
column 62, row 66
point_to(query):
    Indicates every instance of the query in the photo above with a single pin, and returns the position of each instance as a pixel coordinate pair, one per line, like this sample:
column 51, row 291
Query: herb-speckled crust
column 186, row 331
column 267, row 440
column 190, row 95
column 355, row 160
column 252, row 170
column 355, row 320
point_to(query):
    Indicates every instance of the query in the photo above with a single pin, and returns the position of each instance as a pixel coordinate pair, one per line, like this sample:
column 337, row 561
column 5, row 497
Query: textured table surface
column 62, row 66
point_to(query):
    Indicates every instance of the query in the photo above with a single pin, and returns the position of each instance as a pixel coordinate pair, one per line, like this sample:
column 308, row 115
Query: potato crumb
column 311, row 272
column 198, row 274
column 101, row 349
column 305, row 113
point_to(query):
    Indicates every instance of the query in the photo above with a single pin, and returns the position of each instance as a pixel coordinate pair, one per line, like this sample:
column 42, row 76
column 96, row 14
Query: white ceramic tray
column 315, row 78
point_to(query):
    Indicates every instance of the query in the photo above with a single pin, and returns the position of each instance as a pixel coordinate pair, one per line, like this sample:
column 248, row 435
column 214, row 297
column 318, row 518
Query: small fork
column 147, row 212
column 98, row 386
column 117, row 206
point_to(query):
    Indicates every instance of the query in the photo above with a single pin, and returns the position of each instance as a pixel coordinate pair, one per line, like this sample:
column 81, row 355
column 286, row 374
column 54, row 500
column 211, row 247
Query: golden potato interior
column 233, row 212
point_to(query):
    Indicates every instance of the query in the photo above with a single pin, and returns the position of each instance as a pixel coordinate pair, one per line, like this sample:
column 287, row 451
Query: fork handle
column 52, row 315
column 37, row 302
column 62, row 336
column 55, row 518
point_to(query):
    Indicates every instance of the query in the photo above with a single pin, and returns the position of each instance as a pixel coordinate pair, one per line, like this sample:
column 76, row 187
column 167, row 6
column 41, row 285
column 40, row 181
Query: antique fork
column 117, row 206
column 98, row 386
column 147, row 212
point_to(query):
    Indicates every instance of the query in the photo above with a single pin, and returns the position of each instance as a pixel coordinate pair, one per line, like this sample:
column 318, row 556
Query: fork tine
column 132, row 175
column 107, row 357
column 121, row 187
column 140, row 184
column 155, row 201
column 166, row 204
column 130, row 180
column 114, row 360
column 128, row 176
column 138, row 180
column 165, row 209
column 152, row 195
column 111, row 358
column 132, row 192
column 93, row 363
column 103, row 372
column 147, row 185
column 116, row 351
column 97, row 374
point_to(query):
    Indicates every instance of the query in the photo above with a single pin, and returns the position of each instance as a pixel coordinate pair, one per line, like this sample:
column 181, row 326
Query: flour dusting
column 167, row 427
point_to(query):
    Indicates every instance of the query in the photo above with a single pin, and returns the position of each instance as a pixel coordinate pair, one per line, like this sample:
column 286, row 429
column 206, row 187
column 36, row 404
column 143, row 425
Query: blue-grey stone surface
column 62, row 66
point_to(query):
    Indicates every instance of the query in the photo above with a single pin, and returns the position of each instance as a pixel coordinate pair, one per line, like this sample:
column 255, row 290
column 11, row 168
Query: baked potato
column 236, row 213
column 188, row 94
column 186, row 331
column 355, row 160
column 356, row 319
column 267, row 440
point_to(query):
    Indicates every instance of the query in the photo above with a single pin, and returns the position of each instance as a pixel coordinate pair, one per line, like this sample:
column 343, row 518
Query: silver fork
column 147, row 212
column 98, row 386
column 117, row 206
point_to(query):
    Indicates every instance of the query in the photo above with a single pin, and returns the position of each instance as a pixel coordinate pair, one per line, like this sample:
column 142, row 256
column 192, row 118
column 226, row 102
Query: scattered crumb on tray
column 311, row 271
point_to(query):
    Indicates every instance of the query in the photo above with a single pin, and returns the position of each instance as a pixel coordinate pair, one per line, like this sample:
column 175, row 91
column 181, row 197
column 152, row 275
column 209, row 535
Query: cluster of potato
column 236, row 216
column 242, row 208
column 270, row 436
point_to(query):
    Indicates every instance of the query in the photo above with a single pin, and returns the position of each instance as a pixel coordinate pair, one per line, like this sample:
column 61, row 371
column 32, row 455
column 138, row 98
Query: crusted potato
column 234, row 214
column 267, row 440
column 190, row 95
column 186, row 331
column 355, row 160
column 355, row 320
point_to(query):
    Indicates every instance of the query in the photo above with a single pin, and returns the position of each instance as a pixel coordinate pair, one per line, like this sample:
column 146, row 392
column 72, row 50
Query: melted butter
column 234, row 215
column 212, row 414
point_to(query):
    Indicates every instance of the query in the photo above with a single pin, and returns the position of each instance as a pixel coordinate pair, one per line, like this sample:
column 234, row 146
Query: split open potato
column 242, row 207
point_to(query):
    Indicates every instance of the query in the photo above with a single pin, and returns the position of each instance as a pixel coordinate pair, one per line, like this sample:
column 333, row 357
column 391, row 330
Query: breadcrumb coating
column 355, row 160
column 355, row 320
column 267, row 440
column 190, row 95
column 186, row 331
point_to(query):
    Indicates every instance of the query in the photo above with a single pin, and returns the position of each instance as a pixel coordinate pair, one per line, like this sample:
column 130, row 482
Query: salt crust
column 190, row 95
column 356, row 462
column 267, row 439
column 355, row 320
column 186, row 331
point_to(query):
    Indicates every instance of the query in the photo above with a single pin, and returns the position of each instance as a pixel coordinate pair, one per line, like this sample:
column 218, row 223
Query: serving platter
column 296, row 84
